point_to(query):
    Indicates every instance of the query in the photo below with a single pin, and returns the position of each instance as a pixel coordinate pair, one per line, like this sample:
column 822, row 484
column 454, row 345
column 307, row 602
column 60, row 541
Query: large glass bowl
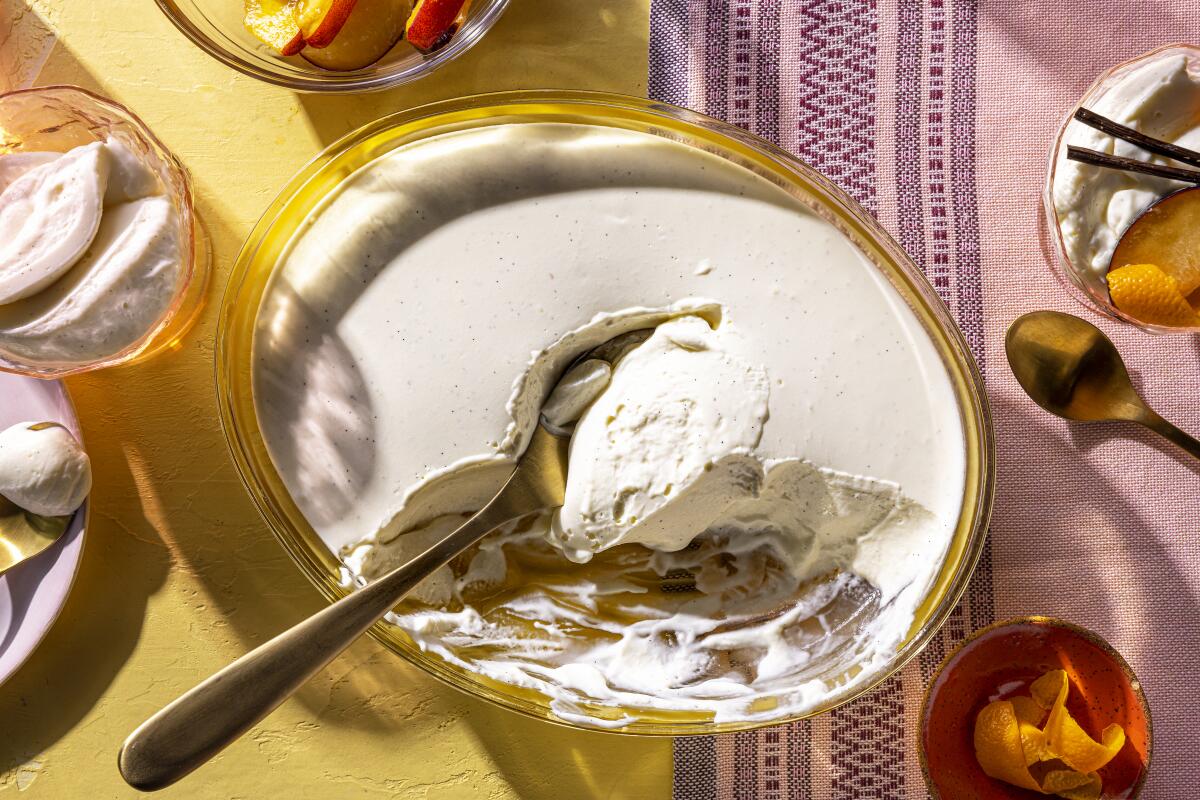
column 215, row 26
column 1086, row 285
column 272, row 236
column 58, row 118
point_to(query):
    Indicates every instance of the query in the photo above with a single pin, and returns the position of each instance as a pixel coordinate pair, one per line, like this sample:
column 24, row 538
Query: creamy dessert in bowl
column 1090, row 209
column 769, row 499
column 100, row 262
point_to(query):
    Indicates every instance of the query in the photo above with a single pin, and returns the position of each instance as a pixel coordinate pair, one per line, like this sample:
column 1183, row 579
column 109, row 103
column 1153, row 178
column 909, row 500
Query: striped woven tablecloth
column 938, row 116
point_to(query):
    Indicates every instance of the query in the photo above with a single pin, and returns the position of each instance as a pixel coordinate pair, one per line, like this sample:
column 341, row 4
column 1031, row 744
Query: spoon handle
column 199, row 724
column 1165, row 429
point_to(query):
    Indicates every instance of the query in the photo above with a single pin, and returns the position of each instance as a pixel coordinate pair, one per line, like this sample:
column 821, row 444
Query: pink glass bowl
column 58, row 118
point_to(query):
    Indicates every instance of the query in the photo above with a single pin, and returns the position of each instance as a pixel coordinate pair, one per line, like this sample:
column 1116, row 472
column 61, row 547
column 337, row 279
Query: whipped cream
column 14, row 165
column 1095, row 205
column 667, row 446
column 396, row 386
column 43, row 469
column 91, row 254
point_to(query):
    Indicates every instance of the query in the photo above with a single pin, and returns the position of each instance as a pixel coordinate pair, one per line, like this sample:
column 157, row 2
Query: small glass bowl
column 58, row 118
column 215, row 26
column 1023, row 649
column 1084, row 283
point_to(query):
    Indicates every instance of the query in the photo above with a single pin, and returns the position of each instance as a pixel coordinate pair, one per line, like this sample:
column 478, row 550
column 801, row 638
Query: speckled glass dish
column 1085, row 284
column 272, row 236
column 1019, row 649
column 215, row 26
column 58, row 118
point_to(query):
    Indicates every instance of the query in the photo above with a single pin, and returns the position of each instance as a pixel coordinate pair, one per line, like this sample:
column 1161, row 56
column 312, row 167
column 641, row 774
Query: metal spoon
column 1072, row 370
column 202, row 722
column 24, row 534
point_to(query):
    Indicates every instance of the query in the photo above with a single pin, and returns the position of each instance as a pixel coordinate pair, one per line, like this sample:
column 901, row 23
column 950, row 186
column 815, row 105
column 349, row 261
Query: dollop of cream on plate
column 43, row 469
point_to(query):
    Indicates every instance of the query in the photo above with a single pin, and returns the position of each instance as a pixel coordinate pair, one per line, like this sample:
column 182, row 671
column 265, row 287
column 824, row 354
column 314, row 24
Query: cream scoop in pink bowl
column 100, row 262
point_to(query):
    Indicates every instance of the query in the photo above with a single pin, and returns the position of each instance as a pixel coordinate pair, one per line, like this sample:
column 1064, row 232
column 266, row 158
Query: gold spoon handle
column 1168, row 431
column 199, row 724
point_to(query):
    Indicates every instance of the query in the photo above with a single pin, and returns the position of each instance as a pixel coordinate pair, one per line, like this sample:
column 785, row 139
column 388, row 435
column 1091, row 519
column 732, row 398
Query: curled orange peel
column 1072, row 785
column 1010, row 737
column 998, row 745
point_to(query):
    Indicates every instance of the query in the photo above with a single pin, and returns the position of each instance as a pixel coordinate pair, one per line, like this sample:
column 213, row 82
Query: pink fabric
column 938, row 116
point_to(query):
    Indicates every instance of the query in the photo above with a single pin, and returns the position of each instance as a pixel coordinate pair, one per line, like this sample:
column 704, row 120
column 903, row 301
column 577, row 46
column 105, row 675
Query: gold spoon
column 199, row 724
column 24, row 534
column 1072, row 370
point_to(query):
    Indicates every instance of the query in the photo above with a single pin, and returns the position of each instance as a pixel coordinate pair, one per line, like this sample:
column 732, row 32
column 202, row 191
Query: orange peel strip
column 1148, row 294
column 998, row 745
column 1071, row 743
column 1072, row 785
column 1028, row 711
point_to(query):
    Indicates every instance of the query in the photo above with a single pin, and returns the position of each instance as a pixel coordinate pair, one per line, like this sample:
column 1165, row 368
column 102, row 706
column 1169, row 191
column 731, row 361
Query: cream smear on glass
column 1160, row 98
column 422, row 316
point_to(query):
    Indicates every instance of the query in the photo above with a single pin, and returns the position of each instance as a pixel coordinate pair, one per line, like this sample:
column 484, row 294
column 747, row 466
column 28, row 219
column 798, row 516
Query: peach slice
column 321, row 20
column 1166, row 234
column 273, row 23
column 433, row 22
column 372, row 29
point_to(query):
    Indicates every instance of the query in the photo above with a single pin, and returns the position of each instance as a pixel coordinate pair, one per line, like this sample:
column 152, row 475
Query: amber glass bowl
column 1087, row 286
column 269, row 243
column 58, row 118
column 1016, row 652
column 215, row 26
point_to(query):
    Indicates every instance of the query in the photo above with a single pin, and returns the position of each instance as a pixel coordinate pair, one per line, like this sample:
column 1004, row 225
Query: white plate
column 33, row 593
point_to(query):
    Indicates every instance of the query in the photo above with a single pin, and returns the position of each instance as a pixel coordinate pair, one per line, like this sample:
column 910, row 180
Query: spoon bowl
column 23, row 534
column 1070, row 368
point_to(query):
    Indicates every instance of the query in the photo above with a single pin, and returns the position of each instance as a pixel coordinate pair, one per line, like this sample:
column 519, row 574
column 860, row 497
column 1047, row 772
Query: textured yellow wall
column 179, row 575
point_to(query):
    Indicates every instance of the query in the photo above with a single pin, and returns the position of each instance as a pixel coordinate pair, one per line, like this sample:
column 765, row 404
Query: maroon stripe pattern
column 695, row 768
column 835, row 96
column 910, row 214
column 826, row 110
column 669, row 51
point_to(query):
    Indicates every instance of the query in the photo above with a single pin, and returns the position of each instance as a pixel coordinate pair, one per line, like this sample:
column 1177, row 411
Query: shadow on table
column 1067, row 543
column 540, row 759
column 124, row 561
column 535, row 44
column 1023, row 31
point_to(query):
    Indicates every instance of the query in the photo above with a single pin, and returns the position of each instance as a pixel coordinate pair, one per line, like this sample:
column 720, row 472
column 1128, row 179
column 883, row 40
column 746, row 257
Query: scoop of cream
column 121, row 285
column 14, row 165
column 43, row 469
column 62, row 303
column 667, row 446
column 48, row 217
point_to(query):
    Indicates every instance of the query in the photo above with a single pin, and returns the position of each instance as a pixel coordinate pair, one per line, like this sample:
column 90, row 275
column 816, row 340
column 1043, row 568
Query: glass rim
column 248, row 278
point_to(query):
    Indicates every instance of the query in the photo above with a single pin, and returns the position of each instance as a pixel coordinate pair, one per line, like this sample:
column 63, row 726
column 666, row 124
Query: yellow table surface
column 179, row 573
